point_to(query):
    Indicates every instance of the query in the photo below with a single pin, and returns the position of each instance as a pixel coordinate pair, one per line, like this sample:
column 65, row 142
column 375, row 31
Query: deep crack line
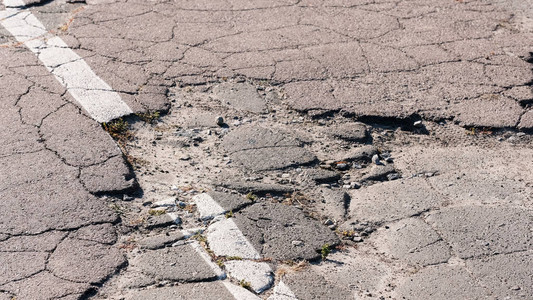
column 98, row 98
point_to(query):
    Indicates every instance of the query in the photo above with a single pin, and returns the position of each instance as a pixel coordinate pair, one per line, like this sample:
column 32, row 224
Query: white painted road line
column 101, row 102
column 282, row 292
column 218, row 271
column 240, row 293
column 258, row 274
column 207, row 206
column 225, row 239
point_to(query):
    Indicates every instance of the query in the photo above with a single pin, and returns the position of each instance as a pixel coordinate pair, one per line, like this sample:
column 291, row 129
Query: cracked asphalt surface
column 283, row 149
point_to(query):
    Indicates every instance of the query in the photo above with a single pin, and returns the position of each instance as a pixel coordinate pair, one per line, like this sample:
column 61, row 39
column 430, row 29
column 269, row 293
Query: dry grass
column 291, row 267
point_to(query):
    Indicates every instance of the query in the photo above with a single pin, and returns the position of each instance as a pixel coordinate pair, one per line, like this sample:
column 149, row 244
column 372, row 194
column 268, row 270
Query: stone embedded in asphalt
column 258, row 274
column 342, row 166
column 440, row 282
column 204, row 290
column 85, row 261
column 271, row 228
column 219, row 121
column 260, row 149
column 393, row 176
column 160, row 240
column 376, row 160
column 480, row 230
column 178, row 263
column 412, row 241
column 392, row 200
column 241, row 96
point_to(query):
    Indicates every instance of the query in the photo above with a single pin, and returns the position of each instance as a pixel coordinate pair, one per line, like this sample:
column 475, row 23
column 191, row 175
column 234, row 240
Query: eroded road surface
column 284, row 149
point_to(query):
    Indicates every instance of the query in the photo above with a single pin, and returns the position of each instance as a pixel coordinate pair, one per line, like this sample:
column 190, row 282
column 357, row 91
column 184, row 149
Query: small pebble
column 417, row 124
column 328, row 222
column 357, row 239
column 375, row 159
column 357, row 166
column 219, row 121
column 393, row 176
column 346, row 186
column 355, row 185
column 127, row 198
column 297, row 243
column 342, row 166
column 359, row 227
column 285, row 175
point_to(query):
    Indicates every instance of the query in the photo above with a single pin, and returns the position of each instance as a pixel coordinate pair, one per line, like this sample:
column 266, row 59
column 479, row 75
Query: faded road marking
column 90, row 91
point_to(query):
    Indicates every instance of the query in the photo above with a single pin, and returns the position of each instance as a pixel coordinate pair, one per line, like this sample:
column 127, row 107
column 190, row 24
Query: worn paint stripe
column 225, row 239
column 90, row 91
column 239, row 293
column 207, row 206
column 216, row 269
column 282, row 292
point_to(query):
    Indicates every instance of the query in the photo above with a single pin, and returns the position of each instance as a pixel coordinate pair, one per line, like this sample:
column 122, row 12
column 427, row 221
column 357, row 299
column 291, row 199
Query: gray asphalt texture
column 456, row 224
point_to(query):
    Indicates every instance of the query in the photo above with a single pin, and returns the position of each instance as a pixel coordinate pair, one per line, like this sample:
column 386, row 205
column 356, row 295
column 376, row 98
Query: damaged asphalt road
column 288, row 149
